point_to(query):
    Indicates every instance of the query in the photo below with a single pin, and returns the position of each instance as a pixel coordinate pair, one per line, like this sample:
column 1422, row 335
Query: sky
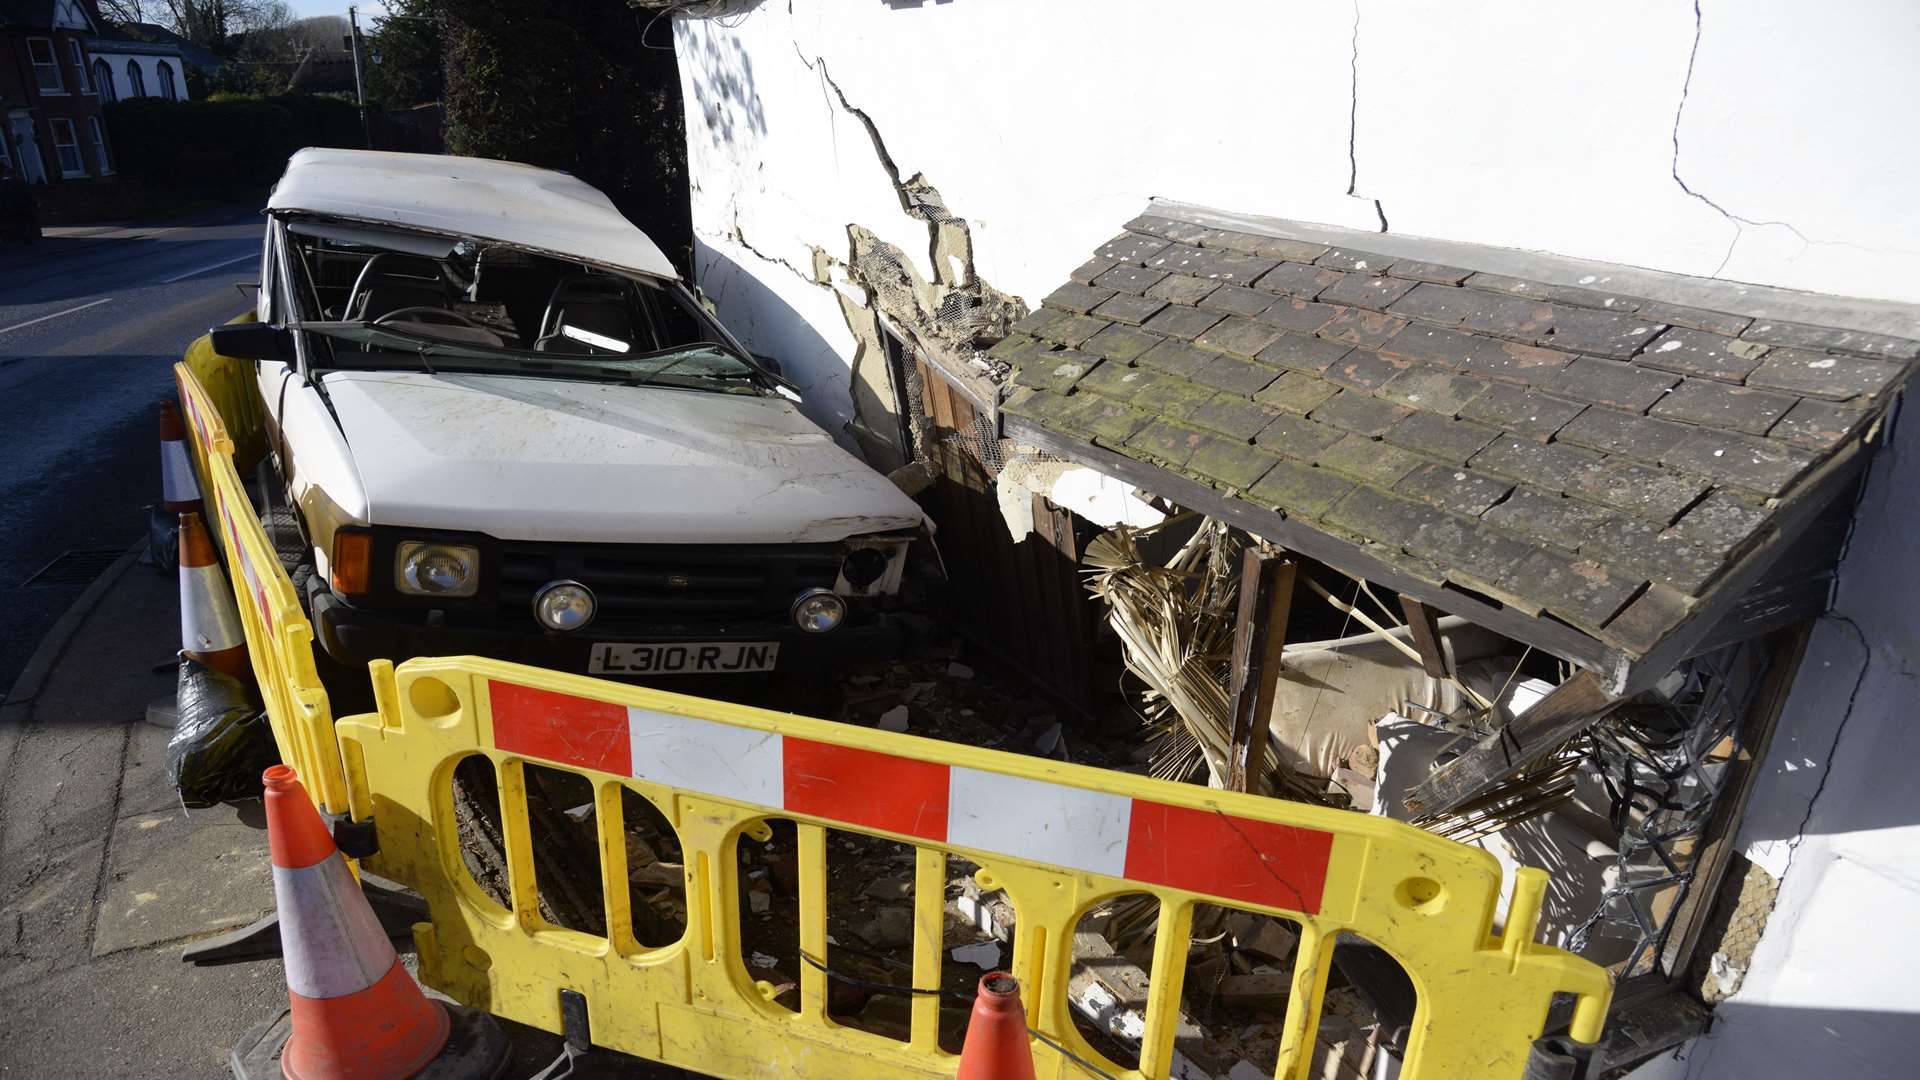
column 304, row 8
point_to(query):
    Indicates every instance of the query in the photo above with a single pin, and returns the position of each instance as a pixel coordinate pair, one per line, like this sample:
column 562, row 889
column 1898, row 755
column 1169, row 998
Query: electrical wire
column 957, row 995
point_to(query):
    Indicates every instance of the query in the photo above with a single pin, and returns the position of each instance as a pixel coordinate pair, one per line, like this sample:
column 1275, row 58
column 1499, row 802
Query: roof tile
column 1641, row 490
column 1426, row 271
column 1238, row 335
column 1076, row 297
column 1523, row 412
column 1435, row 303
column 1122, row 343
column 1053, row 371
column 1062, row 327
column 1349, row 259
column 1129, row 279
column 1717, row 404
column 1693, row 318
column 1369, row 460
column 1243, row 377
column 1799, row 336
column 1510, row 361
column 1236, row 300
column 1507, row 316
column 1453, row 441
column 1580, row 592
column 1646, row 621
column 1603, row 333
column 1109, row 421
column 1454, row 489
column 1820, row 425
column 1297, row 437
column 1763, row 465
column 1229, row 414
column 1432, row 389
column 1611, row 382
column 1476, row 556
column 1214, row 265
column 1357, row 326
column 1300, row 316
column 1365, row 370
column 1691, row 352
column 1234, row 464
column 1167, row 442
column 1614, row 432
column 1181, row 289
column 1550, row 519
column 1654, row 553
column 1297, row 279
column 1300, row 490
column 1184, row 323
column 1720, row 523
column 1092, row 268
column 1304, row 353
column 1361, row 412
column 1130, row 248
column 1821, row 375
column 1132, row 310
column 1373, row 292
column 1598, row 299
column 1176, row 358
column 1548, row 465
column 1297, row 392
column 1381, row 517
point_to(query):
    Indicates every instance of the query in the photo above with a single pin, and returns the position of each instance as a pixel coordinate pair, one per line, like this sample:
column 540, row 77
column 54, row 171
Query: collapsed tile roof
column 1603, row 459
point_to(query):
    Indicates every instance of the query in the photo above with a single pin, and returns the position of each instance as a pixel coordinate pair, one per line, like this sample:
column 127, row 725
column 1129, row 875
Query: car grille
column 672, row 583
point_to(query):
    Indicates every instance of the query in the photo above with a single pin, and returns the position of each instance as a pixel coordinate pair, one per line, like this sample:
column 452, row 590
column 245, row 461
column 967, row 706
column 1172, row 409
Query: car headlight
column 818, row 610
column 428, row 569
column 563, row 605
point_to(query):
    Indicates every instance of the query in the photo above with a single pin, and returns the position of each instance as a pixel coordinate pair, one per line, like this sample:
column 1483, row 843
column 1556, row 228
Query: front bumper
column 354, row 636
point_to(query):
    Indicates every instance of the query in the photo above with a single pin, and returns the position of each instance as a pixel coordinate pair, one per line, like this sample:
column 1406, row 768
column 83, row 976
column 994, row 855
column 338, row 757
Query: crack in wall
column 1353, row 123
column 1739, row 223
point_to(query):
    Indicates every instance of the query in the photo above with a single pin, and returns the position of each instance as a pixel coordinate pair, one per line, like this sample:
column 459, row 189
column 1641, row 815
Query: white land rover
column 507, row 428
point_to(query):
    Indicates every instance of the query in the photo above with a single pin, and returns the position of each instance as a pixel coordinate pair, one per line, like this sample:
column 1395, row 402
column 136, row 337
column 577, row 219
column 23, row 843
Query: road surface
column 91, row 321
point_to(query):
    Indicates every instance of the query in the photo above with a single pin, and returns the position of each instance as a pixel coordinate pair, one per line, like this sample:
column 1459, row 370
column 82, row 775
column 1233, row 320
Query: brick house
column 55, row 136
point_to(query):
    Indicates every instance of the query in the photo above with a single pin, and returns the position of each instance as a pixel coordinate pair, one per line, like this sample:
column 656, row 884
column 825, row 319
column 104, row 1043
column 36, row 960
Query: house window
column 66, row 147
column 103, row 80
column 136, row 80
column 99, row 133
column 46, row 66
column 167, row 89
column 79, row 66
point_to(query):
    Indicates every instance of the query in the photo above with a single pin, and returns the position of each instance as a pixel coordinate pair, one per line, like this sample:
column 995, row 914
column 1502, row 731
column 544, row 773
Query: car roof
column 536, row 209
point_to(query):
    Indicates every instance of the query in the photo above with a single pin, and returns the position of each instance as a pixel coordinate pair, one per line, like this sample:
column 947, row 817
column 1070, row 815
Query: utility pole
column 359, row 86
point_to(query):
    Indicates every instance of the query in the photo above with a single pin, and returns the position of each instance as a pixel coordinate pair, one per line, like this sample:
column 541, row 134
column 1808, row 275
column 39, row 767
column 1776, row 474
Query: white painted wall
column 1536, row 126
column 149, row 67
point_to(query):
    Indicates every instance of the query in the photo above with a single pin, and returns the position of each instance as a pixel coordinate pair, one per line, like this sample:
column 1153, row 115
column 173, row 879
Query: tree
column 215, row 24
column 127, row 12
column 404, row 57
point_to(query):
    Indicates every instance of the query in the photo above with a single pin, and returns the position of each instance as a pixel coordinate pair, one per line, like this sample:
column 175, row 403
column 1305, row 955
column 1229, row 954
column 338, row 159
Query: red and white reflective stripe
column 208, row 620
column 1202, row 851
column 178, row 490
column 333, row 943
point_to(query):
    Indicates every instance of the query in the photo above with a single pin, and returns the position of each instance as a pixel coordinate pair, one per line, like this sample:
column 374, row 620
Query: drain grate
column 78, row 567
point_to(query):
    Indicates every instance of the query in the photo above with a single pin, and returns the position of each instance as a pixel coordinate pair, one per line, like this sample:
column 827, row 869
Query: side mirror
column 252, row 341
column 771, row 363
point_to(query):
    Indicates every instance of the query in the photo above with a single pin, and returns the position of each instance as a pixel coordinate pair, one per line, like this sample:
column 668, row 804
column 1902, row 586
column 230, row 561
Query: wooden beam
column 1531, row 736
column 1422, row 624
column 1259, row 633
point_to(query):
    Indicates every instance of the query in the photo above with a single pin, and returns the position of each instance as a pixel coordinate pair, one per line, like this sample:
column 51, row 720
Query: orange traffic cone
column 209, row 622
column 357, row 1014
column 996, row 1043
column 179, row 491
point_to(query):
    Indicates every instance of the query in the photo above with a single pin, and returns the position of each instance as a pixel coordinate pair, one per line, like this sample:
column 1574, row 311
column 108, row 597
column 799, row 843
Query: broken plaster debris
column 984, row 955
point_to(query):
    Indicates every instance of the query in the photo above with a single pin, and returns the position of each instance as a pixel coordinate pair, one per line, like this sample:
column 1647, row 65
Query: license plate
column 693, row 658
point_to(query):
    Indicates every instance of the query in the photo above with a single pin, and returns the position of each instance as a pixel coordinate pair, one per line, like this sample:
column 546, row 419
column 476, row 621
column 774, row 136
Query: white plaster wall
column 1537, row 126
column 150, row 68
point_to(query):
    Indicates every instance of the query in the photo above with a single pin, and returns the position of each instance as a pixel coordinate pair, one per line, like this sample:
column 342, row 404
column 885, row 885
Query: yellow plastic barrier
column 279, row 637
column 1060, row 839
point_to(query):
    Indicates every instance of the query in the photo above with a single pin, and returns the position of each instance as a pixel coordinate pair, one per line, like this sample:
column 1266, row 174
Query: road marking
column 55, row 315
column 213, row 266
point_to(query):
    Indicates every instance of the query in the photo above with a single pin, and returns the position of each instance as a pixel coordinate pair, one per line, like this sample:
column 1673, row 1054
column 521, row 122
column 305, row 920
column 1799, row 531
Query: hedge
column 224, row 141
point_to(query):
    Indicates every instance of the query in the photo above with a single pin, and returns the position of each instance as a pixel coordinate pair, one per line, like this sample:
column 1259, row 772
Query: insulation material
column 1095, row 496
